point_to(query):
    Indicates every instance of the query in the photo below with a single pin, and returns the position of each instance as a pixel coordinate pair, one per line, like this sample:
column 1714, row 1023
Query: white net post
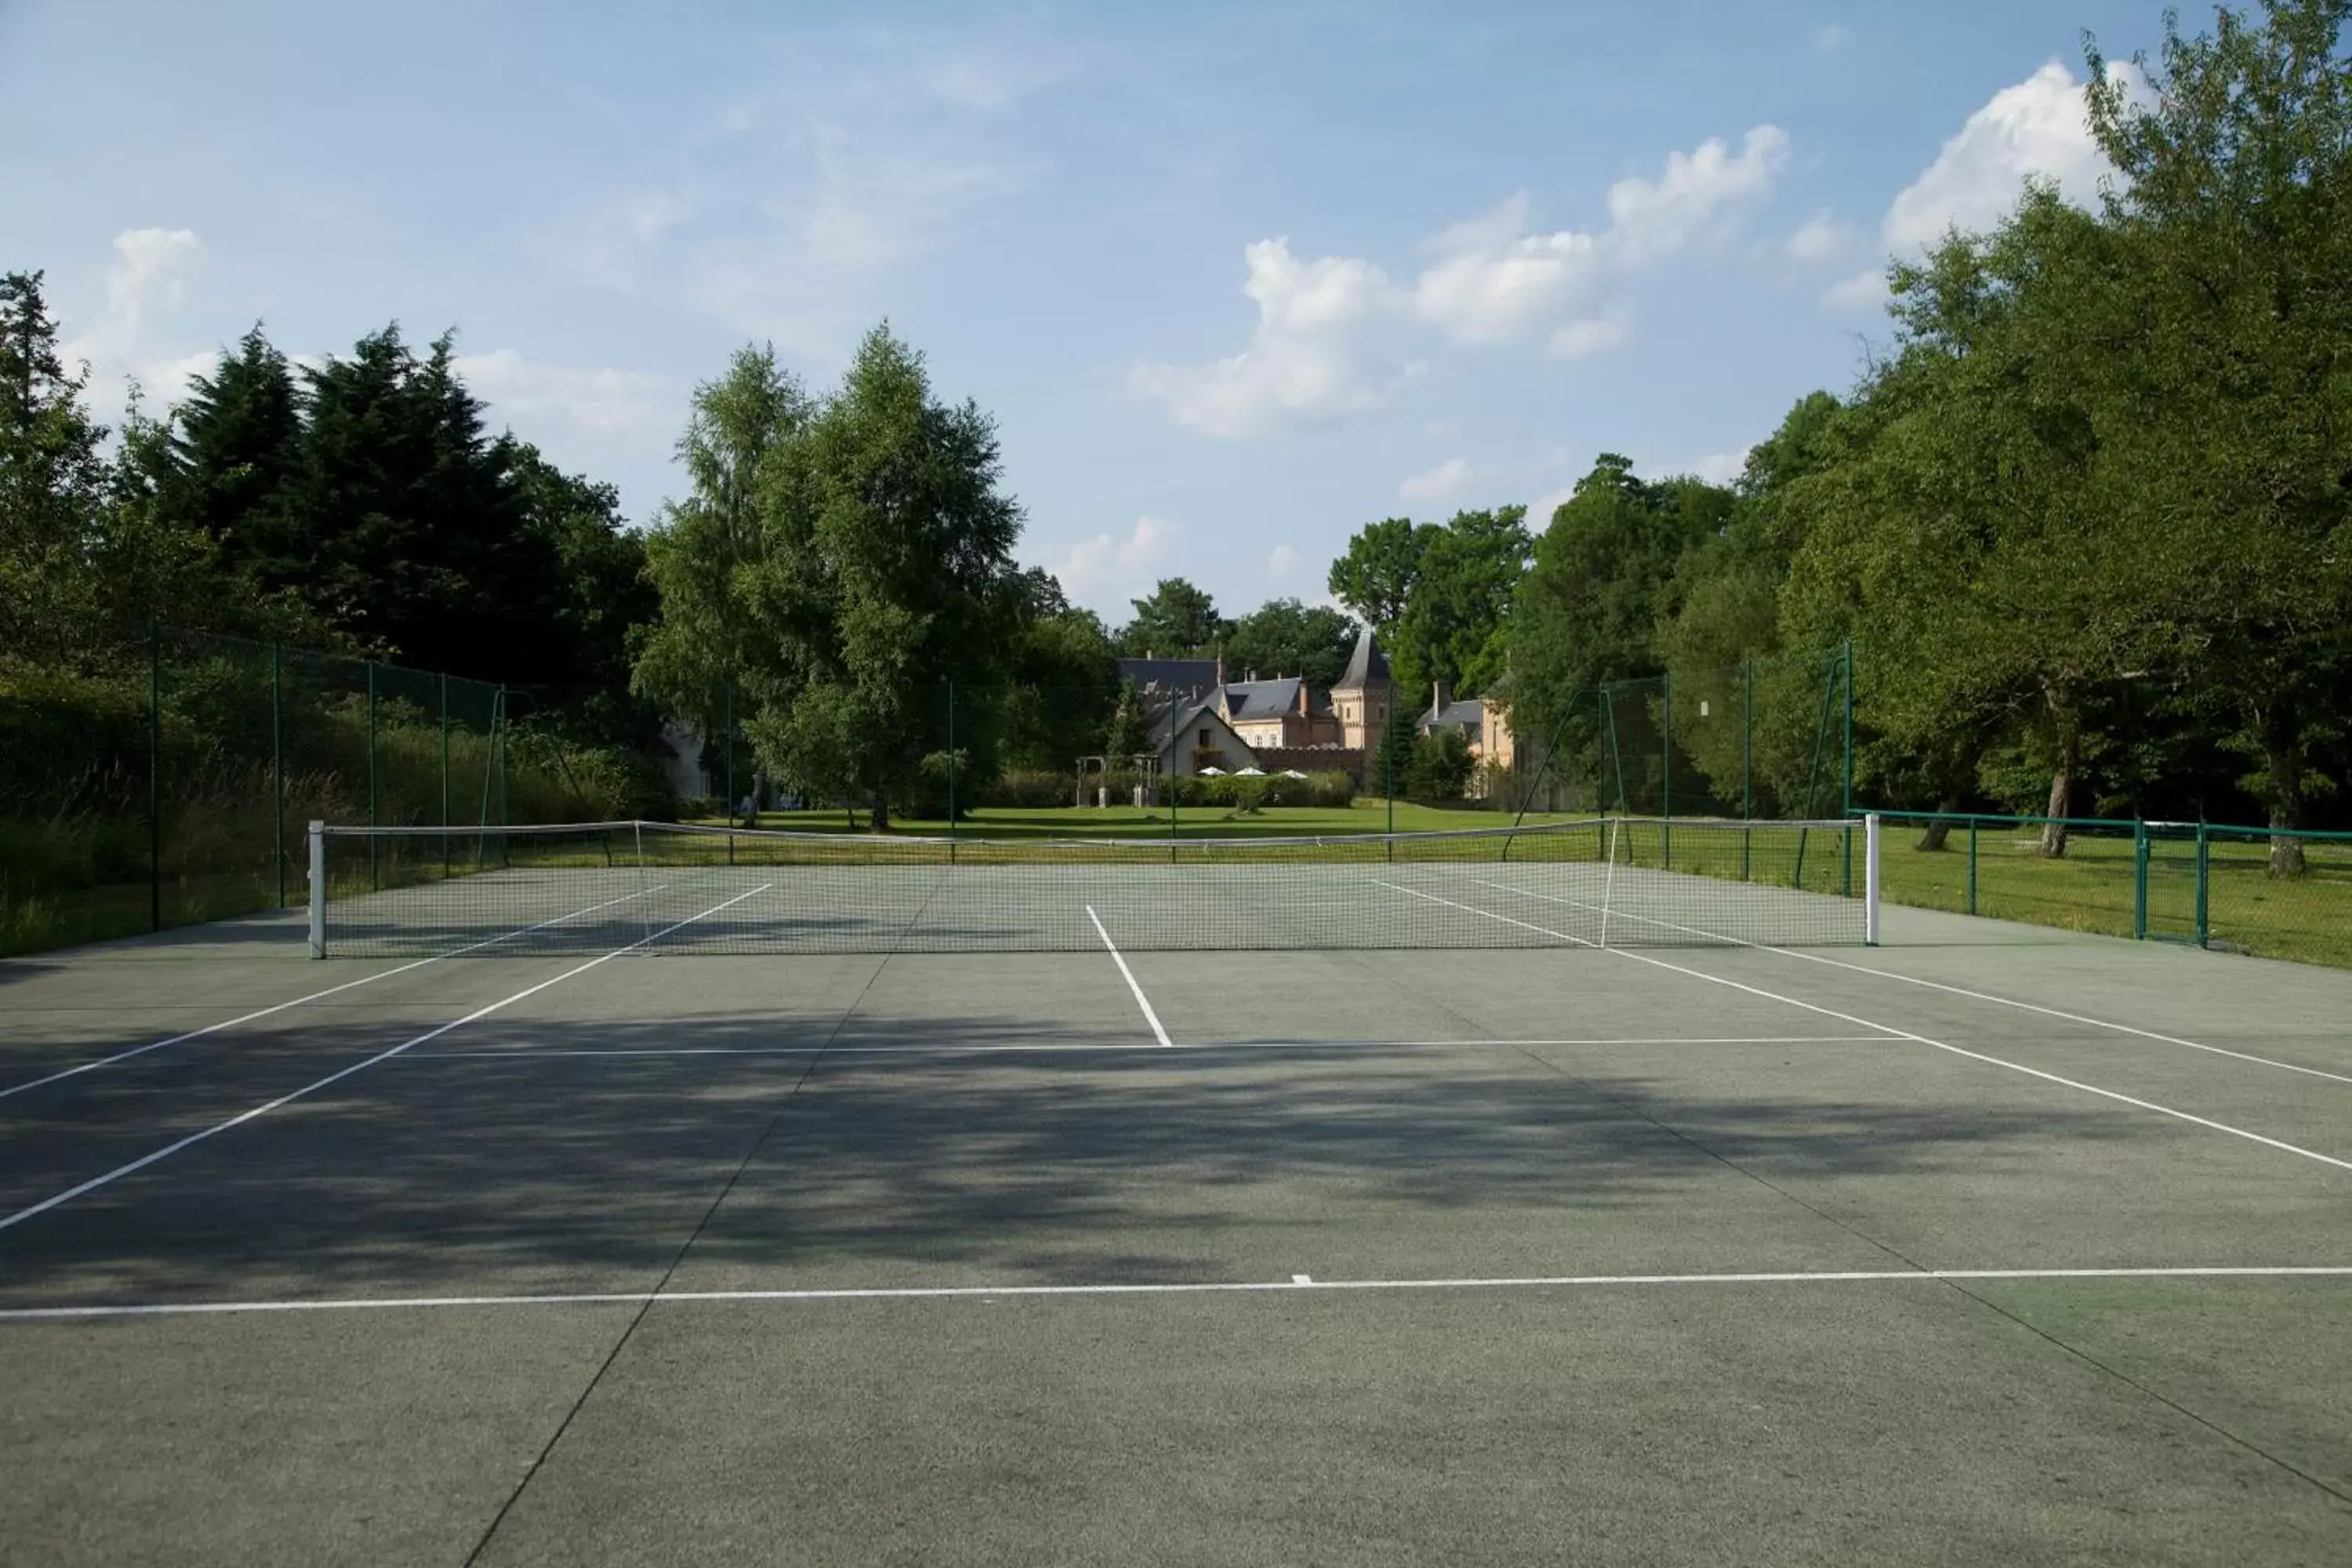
column 1870, row 841
column 637, row 844
column 318, row 839
column 1608, row 878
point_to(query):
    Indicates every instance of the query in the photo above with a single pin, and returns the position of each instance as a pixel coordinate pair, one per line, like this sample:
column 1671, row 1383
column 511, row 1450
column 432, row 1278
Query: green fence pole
column 1666, row 772
column 1972, row 865
column 2204, row 860
column 1849, row 727
column 444, row 773
column 155, row 776
column 951, row 773
column 2139, row 881
column 276, row 774
column 1747, row 764
column 1388, row 789
column 373, row 876
column 727, row 743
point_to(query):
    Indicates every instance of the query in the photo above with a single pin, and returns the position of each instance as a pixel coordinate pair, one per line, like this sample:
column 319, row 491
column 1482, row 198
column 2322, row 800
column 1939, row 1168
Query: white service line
column 1939, row 985
column 433, row 1034
column 1904, row 1033
column 1141, row 1000
column 318, row 996
column 1208, row 1288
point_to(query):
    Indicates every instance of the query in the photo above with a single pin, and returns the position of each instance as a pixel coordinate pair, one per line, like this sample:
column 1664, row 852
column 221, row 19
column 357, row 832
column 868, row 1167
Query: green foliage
column 1283, row 636
column 1439, row 597
column 1375, row 578
column 845, row 563
column 1441, row 766
column 1394, row 752
column 1178, row 621
column 1128, row 733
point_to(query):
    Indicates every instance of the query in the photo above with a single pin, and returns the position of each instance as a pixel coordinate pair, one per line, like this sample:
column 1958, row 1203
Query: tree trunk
column 2283, row 761
column 880, row 820
column 2068, row 729
column 1937, row 833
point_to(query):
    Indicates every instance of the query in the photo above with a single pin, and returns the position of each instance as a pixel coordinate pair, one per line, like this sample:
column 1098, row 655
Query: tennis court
column 634, row 1208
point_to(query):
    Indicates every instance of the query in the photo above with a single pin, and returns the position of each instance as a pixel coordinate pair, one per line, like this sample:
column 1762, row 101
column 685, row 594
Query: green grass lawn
column 1367, row 815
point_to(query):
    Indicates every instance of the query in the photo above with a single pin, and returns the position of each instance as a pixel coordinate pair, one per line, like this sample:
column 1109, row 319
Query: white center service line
column 318, row 996
column 1297, row 1282
column 1141, row 1000
column 168, row 1149
column 2277, row 1143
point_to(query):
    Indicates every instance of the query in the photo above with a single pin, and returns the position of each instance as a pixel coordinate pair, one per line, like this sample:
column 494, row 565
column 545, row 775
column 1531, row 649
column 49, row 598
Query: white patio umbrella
column 1250, row 773
column 1205, row 772
column 1292, row 774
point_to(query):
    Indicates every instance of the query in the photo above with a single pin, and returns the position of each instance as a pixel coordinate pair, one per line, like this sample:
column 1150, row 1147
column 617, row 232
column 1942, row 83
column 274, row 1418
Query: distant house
column 1484, row 723
column 1200, row 718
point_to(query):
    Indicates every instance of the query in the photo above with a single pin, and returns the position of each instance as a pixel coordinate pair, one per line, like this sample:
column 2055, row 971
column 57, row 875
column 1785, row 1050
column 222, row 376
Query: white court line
column 316, row 995
column 523, row 1053
column 1297, row 1282
column 1141, row 999
column 1903, row 1034
column 1939, row 985
column 433, row 1034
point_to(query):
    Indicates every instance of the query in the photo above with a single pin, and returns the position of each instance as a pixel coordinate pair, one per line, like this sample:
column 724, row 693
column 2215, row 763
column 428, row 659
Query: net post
column 645, row 915
column 318, row 841
column 1872, row 838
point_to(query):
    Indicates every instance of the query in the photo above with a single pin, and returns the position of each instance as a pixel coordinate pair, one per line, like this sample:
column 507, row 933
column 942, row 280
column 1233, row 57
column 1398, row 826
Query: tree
column 2236, row 203
column 1178, row 621
column 1604, row 581
column 1456, row 619
column 600, row 595
column 1395, row 753
column 1129, row 733
column 1375, row 578
column 235, row 444
column 1441, row 766
column 845, row 564
column 53, row 483
column 1062, row 687
column 1283, row 636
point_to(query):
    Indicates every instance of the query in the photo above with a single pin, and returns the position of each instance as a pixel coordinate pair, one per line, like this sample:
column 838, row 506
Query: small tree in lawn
column 1393, row 760
column 1441, row 767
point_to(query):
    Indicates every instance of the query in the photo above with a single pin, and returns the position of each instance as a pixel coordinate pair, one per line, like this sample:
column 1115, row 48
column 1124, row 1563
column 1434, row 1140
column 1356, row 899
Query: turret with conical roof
column 1360, row 699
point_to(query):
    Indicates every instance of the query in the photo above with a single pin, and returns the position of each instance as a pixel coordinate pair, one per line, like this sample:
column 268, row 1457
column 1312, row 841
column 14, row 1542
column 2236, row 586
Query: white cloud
column 604, row 402
column 1865, row 290
column 1439, row 483
column 1334, row 335
column 1721, row 468
column 146, row 281
column 2037, row 128
column 1283, row 562
column 1539, row 512
column 1821, row 238
column 1107, row 571
column 1651, row 219
column 1578, row 339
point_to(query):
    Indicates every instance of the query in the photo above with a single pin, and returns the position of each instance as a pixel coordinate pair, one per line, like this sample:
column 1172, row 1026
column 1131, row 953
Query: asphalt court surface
column 1661, row 1256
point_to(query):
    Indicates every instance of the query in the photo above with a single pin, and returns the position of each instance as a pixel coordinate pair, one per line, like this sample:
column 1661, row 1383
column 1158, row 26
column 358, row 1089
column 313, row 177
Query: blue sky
column 1233, row 280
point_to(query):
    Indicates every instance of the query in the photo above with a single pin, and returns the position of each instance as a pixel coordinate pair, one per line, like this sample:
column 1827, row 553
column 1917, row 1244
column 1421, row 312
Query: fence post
column 155, row 776
column 1972, row 865
column 370, row 752
column 1849, row 727
column 2204, row 860
column 1666, row 772
column 2139, row 881
column 277, row 776
column 1388, row 785
column 1747, row 764
column 444, row 773
column 951, row 773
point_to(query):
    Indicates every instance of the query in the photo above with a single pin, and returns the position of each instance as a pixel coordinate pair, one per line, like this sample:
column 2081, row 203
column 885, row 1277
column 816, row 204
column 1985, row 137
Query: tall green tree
column 235, row 443
column 1283, row 636
column 850, row 560
column 1179, row 620
column 1375, row 578
column 1456, row 622
column 54, row 480
column 2234, row 401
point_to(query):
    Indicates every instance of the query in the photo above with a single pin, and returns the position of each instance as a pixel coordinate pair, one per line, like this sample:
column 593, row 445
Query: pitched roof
column 1461, row 713
column 1170, row 720
column 1170, row 675
column 1262, row 699
column 1366, row 666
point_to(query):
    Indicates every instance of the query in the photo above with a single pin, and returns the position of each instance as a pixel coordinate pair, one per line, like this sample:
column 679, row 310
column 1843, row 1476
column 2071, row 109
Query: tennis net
column 666, row 887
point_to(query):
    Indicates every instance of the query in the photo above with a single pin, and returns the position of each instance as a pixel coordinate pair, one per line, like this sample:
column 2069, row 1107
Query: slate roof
column 1462, row 713
column 1247, row 700
column 1366, row 666
column 1169, row 676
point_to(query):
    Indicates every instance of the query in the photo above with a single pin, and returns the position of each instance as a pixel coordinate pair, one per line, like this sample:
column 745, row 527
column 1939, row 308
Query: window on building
column 1204, row 736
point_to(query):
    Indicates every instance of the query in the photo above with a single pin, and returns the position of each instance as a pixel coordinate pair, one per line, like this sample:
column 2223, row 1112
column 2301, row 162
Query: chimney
column 1252, row 675
column 1437, row 706
column 1302, row 696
